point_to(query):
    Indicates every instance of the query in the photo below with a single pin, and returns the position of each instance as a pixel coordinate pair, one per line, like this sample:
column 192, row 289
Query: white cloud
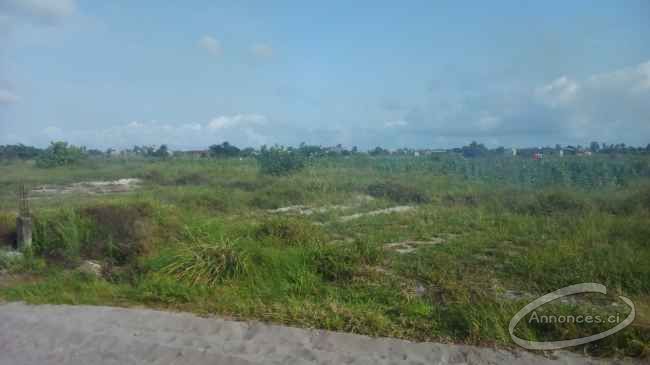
column 39, row 11
column 396, row 123
column 559, row 92
column 633, row 79
column 238, row 129
column 262, row 50
column 7, row 97
column 612, row 107
column 237, row 120
column 211, row 45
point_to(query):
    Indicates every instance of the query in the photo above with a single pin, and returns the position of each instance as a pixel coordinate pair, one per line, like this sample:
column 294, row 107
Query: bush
column 120, row 232
column 290, row 231
column 397, row 193
column 7, row 230
column 60, row 154
column 279, row 162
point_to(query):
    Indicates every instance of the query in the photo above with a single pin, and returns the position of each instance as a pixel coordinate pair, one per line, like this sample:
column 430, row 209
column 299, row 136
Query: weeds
column 276, row 196
column 60, row 237
column 398, row 193
column 290, row 231
column 341, row 263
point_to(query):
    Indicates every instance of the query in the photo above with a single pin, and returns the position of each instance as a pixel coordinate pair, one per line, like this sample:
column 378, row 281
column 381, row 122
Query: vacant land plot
column 424, row 249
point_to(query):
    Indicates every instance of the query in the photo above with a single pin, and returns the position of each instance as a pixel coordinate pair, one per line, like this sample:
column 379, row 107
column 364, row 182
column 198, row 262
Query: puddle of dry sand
column 88, row 187
column 397, row 209
column 305, row 210
column 358, row 200
column 410, row 246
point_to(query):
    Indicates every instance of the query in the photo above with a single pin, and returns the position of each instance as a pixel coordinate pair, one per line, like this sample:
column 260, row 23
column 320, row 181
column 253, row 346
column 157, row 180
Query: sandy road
column 59, row 334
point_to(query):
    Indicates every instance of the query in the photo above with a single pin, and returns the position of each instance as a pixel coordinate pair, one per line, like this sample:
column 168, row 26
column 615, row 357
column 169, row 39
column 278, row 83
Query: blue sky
column 365, row 73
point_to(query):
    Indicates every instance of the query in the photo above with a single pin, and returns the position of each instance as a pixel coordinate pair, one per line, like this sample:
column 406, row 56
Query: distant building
column 196, row 153
column 514, row 152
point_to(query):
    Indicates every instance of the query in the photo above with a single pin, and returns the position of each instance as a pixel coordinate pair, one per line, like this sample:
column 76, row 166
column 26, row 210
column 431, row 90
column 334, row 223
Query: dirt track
column 58, row 334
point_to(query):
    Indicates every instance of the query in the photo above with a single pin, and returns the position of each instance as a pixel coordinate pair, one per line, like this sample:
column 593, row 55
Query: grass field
column 472, row 242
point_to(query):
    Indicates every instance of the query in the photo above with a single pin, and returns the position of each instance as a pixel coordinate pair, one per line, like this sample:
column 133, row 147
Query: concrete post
column 24, row 228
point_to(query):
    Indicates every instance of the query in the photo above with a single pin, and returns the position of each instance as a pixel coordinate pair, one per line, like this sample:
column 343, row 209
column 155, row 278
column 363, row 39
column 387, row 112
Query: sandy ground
column 59, row 334
column 87, row 187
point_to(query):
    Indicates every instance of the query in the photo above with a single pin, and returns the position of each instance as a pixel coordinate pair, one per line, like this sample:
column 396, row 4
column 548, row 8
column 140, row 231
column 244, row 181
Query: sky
column 420, row 74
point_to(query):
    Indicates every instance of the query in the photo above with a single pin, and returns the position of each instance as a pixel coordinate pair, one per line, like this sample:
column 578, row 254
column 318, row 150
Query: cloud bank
column 610, row 106
column 606, row 107
column 50, row 12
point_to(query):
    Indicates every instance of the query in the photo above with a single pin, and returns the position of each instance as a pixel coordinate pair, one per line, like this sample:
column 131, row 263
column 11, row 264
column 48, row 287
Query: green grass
column 198, row 237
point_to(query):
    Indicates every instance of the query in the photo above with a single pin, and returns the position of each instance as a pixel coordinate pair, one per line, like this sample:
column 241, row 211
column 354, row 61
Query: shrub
column 279, row 162
column 206, row 261
column 120, row 232
column 7, row 230
column 290, row 231
column 397, row 193
column 224, row 150
column 60, row 154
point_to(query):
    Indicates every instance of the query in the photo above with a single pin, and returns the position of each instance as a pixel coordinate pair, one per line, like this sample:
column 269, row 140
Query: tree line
column 61, row 153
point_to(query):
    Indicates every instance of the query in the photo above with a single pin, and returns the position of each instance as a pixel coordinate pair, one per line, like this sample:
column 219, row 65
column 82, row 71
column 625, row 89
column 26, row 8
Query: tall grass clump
column 61, row 236
column 206, row 260
column 341, row 262
column 289, row 231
